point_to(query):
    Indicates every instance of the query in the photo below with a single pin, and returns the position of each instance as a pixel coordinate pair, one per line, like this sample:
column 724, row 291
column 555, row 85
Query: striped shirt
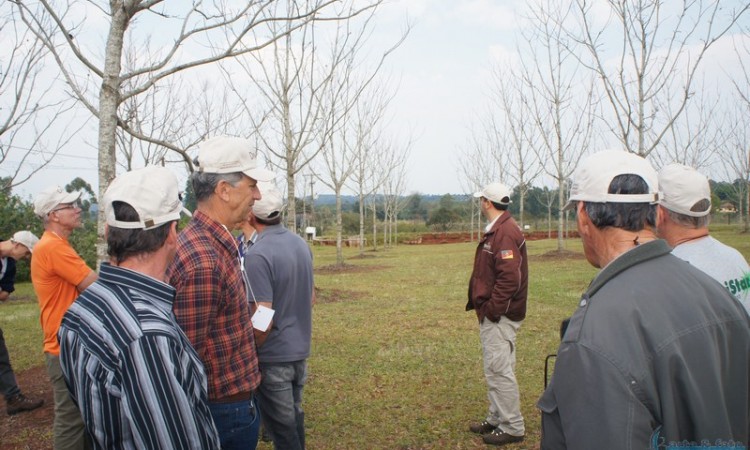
column 212, row 308
column 131, row 370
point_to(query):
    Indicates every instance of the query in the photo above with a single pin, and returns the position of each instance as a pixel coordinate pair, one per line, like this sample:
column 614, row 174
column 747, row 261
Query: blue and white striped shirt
column 131, row 370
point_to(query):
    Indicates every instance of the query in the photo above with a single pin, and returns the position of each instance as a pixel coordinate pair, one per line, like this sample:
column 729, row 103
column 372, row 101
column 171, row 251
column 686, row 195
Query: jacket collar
column 639, row 254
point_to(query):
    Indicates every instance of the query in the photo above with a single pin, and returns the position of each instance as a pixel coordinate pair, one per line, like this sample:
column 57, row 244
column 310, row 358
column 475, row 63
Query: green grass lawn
column 396, row 360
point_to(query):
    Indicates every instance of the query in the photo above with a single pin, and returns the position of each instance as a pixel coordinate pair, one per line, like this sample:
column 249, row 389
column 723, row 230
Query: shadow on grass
column 346, row 268
column 323, row 296
column 558, row 255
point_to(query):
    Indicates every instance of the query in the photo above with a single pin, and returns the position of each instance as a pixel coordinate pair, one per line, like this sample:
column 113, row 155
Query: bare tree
column 394, row 187
column 561, row 99
column 515, row 132
column 373, row 161
column 29, row 108
column 480, row 164
column 647, row 57
column 735, row 158
column 175, row 111
column 341, row 130
column 191, row 34
column 735, row 153
column 290, row 79
column 696, row 134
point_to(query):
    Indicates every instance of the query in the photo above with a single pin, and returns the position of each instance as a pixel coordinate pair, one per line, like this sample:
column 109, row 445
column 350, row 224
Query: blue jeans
column 280, row 399
column 237, row 424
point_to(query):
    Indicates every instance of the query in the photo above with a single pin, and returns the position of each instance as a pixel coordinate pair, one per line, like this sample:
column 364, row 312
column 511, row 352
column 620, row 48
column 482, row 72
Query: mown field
column 396, row 360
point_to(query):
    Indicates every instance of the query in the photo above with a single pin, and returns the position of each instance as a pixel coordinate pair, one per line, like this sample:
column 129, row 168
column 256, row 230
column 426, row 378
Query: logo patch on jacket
column 506, row 254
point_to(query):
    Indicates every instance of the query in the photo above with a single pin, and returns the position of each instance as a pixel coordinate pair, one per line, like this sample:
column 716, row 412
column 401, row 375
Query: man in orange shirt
column 59, row 274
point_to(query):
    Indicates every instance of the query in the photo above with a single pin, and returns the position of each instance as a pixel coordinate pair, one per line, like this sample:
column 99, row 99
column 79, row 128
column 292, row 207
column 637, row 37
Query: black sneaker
column 483, row 427
column 20, row 403
column 497, row 437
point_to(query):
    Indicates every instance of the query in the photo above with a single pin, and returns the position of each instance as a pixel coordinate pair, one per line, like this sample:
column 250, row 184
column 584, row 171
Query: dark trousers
column 8, row 385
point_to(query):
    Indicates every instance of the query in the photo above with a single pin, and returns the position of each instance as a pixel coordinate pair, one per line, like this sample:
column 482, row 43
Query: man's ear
column 172, row 236
column 222, row 190
column 583, row 220
column 661, row 216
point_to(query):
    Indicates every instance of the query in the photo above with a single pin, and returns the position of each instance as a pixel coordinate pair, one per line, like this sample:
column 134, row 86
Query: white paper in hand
column 262, row 318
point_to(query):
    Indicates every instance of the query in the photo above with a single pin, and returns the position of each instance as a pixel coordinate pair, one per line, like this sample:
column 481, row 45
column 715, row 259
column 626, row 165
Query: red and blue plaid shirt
column 212, row 308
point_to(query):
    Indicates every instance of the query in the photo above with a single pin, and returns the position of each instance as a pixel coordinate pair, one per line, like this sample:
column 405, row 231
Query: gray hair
column 205, row 183
column 628, row 216
column 686, row 221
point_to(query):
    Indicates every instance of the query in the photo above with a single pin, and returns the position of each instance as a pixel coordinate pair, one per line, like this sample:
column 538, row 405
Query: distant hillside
column 330, row 199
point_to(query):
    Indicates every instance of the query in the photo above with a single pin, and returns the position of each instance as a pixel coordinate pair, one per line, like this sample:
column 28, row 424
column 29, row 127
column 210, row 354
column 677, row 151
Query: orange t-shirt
column 56, row 270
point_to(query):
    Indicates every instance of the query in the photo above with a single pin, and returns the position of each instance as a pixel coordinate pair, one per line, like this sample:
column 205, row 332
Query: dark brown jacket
column 500, row 279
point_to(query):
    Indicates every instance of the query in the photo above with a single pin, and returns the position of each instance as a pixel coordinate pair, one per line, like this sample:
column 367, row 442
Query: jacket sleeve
column 507, row 261
column 590, row 404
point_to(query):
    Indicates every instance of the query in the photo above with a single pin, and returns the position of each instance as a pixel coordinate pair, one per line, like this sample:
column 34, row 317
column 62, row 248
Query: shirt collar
column 130, row 279
column 217, row 230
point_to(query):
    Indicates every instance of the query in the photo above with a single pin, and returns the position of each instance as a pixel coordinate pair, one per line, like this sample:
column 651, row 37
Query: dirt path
column 29, row 430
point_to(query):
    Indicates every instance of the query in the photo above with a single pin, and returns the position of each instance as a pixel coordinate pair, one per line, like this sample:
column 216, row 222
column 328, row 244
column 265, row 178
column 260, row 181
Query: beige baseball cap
column 682, row 187
column 271, row 203
column 152, row 191
column 595, row 173
column 25, row 238
column 48, row 199
column 495, row 192
column 227, row 154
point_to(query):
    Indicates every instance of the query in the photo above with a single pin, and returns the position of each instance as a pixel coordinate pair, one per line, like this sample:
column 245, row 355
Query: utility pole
column 312, row 196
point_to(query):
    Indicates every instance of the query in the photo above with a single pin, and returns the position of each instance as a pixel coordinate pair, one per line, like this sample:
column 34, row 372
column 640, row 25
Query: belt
column 234, row 398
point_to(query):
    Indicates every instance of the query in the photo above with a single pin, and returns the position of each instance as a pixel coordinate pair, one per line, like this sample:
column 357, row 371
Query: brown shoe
column 483, row 427
column 20, row 403
column 497, row 437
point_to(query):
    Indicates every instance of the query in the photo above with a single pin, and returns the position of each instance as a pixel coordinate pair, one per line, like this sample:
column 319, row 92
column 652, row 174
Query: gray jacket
column 657, row 352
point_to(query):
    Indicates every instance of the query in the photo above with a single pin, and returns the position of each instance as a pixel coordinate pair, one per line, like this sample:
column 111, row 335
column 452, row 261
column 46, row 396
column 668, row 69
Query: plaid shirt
column 212, row 308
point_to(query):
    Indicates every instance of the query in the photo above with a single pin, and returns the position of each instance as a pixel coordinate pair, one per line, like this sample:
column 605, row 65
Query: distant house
column 727, row 207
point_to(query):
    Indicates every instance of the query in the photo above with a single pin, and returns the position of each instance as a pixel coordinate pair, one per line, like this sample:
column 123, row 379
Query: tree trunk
column 339, row 230
column 374, row 226
column 291, row 215
column 361, row 224
column 109, row 100
column 561, row 217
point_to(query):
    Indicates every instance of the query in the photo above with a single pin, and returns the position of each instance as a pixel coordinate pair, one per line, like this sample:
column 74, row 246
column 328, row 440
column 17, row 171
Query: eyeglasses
column 74, row 205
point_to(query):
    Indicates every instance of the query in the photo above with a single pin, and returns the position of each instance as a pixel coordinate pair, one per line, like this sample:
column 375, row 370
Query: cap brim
column 71, row 197
column 571, row 205
column 259, row 174
column 478, row 194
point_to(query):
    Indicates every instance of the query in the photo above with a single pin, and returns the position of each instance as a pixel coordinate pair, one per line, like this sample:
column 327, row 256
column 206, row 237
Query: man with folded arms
column 211, row 304
column 128, row 365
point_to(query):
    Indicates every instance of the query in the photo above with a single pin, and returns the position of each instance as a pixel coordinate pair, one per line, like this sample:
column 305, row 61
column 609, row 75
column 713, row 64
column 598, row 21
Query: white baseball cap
column 49, row 198
column 271, row 203
column 592, row 178
column 152, row 191
column 495, row 192
column 682, row 187
column 25, row 238
column 227, row 154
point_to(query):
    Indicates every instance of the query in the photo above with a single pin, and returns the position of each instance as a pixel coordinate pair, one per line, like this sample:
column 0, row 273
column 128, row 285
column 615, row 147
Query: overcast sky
column 442, row 71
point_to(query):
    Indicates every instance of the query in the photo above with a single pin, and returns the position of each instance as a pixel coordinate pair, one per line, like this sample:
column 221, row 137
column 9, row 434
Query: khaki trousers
column 68, row 429
column 499, row 352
